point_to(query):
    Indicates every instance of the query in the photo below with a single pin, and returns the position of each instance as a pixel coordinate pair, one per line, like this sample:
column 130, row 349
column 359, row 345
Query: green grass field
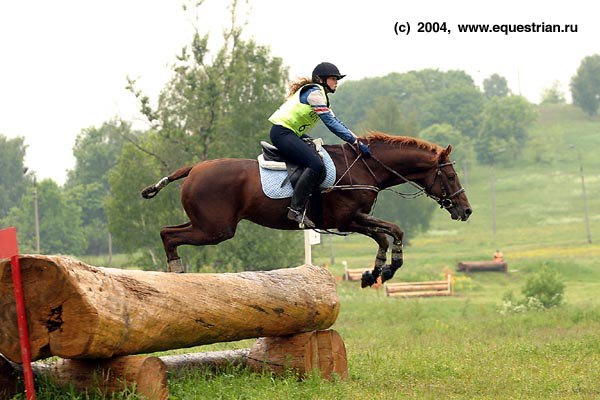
column 463, row 347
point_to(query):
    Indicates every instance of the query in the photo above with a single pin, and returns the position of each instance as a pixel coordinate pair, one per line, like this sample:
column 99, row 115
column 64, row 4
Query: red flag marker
column 10, row 249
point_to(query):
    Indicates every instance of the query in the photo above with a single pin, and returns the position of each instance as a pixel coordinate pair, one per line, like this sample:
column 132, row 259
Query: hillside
column 539, row 209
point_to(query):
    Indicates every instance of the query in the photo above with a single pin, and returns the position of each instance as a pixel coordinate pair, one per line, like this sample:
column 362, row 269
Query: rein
column 445, row 201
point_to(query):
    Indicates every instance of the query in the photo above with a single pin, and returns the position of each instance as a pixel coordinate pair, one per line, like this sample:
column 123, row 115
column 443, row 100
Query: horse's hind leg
column 174, row 236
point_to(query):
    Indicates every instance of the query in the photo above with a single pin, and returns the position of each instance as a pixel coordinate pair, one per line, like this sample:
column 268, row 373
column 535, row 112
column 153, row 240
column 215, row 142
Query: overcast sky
column 64, row 63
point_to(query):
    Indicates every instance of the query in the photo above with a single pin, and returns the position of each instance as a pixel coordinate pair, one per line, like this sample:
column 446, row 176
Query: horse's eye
column 451, row 178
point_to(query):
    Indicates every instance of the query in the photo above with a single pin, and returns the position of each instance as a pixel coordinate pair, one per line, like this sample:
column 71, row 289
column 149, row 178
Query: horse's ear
column 446, row 152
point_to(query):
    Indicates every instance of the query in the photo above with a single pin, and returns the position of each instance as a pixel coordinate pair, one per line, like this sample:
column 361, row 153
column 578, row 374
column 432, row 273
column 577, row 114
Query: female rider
column 308, row 102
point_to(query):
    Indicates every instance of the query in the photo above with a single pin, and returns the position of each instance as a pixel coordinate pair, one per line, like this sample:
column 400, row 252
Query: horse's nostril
column 468, row 211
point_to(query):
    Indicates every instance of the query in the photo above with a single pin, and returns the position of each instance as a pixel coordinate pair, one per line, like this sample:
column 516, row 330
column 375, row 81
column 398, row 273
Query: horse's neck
column 412, row 163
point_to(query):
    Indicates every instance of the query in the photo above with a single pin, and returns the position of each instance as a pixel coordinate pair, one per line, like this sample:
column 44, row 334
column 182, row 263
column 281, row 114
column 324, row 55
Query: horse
column 218, row 194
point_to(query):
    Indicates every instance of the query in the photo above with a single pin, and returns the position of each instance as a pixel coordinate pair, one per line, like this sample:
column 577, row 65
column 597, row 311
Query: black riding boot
column 302, row 191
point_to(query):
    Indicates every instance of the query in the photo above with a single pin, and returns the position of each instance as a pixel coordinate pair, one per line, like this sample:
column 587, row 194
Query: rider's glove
column 364, row 149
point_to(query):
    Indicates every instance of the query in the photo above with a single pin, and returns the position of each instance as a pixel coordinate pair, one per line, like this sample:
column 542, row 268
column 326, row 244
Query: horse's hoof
column 367, row 279
column 149, row 192
column 386, row 273
column 176, row 266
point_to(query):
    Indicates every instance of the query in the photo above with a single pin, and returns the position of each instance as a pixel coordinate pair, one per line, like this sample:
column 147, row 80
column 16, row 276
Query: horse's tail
column 153, row 190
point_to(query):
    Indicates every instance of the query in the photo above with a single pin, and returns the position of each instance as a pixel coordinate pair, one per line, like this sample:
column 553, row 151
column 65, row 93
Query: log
column 303, row 353
column 469, row 266
column 322, row 350
column 420, row 294
column 212, row 360
column 8, row 380
column 75, row 310
column 418, row 288
column 146, row 373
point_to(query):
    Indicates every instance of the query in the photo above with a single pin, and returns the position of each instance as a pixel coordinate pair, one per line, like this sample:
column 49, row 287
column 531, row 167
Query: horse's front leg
column 380, row 226
column 370, row 277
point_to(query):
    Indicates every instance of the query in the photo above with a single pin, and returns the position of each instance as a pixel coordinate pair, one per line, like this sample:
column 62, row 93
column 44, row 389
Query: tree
column 13, row 180
column 553, row 94
column 60, row 221
column 96, row 151
column 386, row 116
column 503, row 134
column 585, row 85
column 427, row 96
column 495, row 86
column 212, row 107
column 445, row 134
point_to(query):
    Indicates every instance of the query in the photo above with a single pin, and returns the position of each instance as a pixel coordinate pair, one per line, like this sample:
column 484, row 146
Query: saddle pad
column 271, row 180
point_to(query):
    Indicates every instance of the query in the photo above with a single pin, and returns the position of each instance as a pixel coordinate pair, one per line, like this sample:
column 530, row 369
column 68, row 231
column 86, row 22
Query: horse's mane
column 403, row 141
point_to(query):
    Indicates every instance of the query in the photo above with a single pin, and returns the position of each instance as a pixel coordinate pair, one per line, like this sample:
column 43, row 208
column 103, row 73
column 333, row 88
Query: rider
column 308, row 102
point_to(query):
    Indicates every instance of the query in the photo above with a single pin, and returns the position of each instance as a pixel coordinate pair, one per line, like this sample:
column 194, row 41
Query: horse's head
column 442, row 185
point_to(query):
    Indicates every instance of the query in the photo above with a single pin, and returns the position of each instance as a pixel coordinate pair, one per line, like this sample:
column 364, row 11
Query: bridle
column 445, row 201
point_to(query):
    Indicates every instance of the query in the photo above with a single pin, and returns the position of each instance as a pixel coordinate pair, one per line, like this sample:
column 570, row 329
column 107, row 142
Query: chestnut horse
column 217, row 194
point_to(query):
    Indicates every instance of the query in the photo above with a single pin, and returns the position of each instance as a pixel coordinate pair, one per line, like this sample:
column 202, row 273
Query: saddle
column 272, row 159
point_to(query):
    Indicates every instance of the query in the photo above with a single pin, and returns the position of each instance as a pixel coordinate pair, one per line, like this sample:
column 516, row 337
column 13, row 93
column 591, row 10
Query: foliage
column 504, row 128
column 585, row 85
column 426, row 97
column 445, row 134
column 546, row 286
column 96, row 151
column 553, row 94
column 386, row 116
column 412, row 215
column 135, row 222
column 13, row 180
column 60, row 221
column 212, row 107
column 495, row 86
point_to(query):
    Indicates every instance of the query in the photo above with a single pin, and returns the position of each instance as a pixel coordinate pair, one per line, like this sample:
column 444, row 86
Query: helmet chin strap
column 326, row 86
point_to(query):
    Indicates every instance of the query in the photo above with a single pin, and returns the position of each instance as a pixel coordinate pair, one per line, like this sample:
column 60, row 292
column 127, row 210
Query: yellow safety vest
column 296, row 116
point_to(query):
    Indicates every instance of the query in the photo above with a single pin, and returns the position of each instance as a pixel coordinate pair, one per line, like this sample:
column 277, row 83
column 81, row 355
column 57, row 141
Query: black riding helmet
column 325, row 70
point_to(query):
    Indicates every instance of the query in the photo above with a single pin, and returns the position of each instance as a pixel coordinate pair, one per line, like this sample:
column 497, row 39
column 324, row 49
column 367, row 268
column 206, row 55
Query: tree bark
column 75, row 310
column 147, row 374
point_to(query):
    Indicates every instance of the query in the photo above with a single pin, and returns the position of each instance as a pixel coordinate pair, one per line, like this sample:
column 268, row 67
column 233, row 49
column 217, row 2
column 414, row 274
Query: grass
column 462, row 347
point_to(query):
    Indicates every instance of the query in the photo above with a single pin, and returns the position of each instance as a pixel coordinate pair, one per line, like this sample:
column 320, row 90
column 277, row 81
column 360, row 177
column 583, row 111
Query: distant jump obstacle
column 97, row 319
column 420, row 289
column 470, row 266
column 355, row 274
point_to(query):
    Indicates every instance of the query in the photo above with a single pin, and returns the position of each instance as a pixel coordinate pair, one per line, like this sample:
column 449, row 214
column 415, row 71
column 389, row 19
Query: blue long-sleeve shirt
column 313, row 96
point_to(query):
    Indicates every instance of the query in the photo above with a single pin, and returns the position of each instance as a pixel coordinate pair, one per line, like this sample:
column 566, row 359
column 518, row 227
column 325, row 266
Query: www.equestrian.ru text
column 404, row 28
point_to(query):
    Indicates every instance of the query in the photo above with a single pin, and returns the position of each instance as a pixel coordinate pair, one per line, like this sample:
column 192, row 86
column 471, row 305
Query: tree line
column 216, row 105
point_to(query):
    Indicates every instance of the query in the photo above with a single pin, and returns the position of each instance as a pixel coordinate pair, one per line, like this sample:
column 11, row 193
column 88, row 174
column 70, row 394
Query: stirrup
column 301, row 218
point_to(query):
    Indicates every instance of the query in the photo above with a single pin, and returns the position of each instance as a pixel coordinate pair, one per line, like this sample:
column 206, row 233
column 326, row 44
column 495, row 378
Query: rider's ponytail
column 297, row 84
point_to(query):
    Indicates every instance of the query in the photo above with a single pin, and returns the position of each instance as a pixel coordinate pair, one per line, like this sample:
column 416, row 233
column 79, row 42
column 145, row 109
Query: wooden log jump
column 320, row 350
column 420, row 289
column 469, row 266
column 353, row 274
column 79, row 311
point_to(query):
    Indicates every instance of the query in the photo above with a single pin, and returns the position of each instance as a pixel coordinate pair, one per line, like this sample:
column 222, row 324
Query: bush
column 546, row 286
column 542, row 290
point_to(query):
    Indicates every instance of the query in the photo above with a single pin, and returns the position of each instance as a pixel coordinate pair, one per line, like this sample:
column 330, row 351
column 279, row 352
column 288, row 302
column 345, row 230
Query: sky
column 64, row 64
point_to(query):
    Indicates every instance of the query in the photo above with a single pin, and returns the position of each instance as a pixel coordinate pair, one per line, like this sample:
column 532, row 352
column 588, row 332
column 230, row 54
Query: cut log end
column 322, row 351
